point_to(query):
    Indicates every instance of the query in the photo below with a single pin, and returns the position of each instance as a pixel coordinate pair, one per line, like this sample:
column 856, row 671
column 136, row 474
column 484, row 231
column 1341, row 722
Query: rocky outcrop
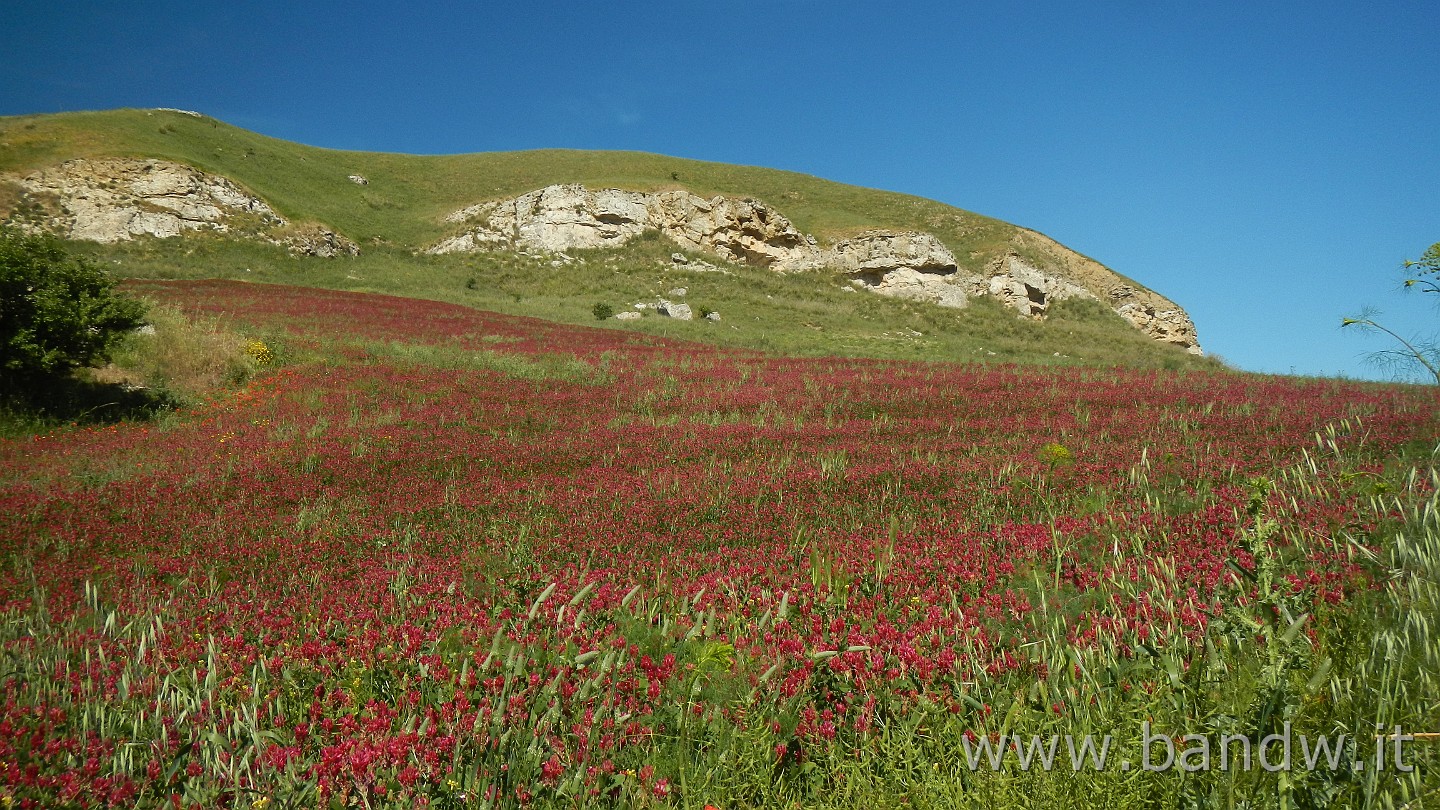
column 313, row 240
column 879, row 252
column 745, row 231
column 568, row 217
column 1146, row 310
column 1166, row 324
column 117, row 199
column 907, row 264
column 1033, row 274
column 554, row 219
column 1027, row 288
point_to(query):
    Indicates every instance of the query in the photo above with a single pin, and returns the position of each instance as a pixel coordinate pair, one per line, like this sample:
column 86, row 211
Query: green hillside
column 402, row 207
column 408, row 194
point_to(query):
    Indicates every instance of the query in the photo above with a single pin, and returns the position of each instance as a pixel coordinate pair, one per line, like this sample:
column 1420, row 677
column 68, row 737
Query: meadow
column 420, row 555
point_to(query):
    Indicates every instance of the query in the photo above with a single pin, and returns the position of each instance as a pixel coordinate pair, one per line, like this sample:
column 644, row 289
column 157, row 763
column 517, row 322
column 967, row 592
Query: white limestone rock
column 905, row 264
column 565, row 217
column 911, row 265
column 680, row 312
column 1031, row 291
column 112, row 200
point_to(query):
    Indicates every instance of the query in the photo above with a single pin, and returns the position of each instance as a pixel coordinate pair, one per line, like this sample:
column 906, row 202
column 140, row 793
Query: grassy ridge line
column 408, row 195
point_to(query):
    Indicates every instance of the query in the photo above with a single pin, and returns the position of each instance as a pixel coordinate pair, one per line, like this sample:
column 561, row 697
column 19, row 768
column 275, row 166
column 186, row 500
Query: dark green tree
column 58, row 311
column 1424, row 275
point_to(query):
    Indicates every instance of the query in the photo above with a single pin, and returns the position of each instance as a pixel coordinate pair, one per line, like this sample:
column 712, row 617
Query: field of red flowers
column 440, row 557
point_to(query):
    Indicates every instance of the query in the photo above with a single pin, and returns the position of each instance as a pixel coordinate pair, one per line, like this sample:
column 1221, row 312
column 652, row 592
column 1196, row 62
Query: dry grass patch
column 190, row 358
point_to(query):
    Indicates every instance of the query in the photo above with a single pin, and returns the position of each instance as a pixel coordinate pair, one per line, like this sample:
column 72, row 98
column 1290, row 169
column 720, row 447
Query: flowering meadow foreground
column 433, row 557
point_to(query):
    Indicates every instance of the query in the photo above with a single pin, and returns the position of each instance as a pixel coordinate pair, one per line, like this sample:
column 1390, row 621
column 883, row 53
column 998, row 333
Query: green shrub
column 58, row 312
column 602, row 311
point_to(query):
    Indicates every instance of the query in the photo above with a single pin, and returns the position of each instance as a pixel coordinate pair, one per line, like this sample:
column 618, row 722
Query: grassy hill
column 402, row 207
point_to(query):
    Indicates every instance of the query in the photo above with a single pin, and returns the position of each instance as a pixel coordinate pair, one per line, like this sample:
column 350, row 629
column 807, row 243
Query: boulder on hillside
column 680, row 312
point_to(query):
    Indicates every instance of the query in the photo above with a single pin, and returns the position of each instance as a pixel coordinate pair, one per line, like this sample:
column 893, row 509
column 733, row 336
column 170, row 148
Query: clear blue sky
column 1266, row 164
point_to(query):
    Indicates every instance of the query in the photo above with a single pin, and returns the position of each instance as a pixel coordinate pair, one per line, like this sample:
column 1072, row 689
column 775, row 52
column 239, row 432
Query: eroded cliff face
column 901, row 264
column 117, row 199
column 1146, row 310
column 567, row 217
column 1032, row 275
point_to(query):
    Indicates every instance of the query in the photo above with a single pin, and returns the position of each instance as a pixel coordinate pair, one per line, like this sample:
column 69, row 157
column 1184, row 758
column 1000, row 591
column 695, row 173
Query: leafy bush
column 602, row 311
column 57, row 311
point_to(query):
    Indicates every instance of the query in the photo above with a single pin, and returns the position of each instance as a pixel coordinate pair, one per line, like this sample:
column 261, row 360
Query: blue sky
column 1268, row 165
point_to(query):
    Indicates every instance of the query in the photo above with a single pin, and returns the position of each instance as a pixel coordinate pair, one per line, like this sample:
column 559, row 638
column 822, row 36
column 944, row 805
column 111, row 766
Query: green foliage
column 602, row 311
column 179, row 361
column 57, row 311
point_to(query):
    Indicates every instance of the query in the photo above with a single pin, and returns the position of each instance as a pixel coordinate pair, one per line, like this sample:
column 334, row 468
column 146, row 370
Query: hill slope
column 403, row 205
